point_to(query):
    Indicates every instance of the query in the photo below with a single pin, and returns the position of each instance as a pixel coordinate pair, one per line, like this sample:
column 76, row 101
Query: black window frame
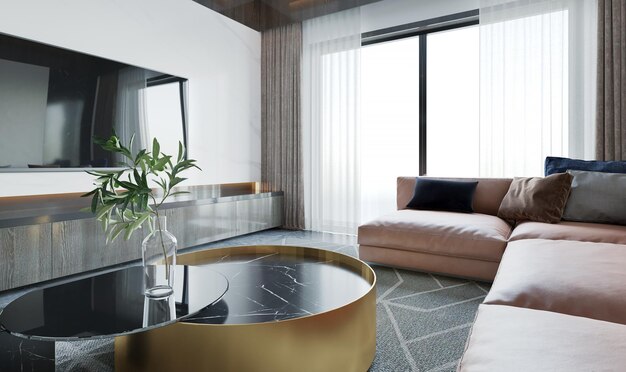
column 421, row 29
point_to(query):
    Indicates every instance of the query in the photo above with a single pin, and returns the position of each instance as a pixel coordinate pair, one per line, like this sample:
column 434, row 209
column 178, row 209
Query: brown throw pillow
column 536, row 199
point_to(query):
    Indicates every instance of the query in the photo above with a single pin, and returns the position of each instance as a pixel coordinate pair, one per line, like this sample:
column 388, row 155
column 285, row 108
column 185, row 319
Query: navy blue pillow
column 562, row 165
column 443, row 195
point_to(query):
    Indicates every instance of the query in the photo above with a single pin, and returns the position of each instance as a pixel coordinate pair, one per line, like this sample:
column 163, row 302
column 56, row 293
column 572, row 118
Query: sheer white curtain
column 131, row 112
column 330, row 117
column 537, row 83
column 389, row 122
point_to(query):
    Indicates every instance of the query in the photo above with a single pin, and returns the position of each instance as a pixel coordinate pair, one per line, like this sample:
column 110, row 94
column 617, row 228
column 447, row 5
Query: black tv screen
column 54, row 101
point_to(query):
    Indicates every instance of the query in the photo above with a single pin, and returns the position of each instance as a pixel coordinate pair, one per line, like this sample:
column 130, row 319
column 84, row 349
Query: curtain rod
column 415, row 28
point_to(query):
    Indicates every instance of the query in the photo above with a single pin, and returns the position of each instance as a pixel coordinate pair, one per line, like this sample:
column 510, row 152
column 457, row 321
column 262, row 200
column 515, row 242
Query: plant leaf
column 104, row 210
column 94, row 201
column 115, row 232
column 181, row 152
column 160, row 164
column 156, row 148
column 179, row 192
column 135, row 225
column 121, row 199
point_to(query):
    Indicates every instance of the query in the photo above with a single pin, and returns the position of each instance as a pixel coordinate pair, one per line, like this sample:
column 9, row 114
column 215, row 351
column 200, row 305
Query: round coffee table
column 287, row 309
column 109, row 305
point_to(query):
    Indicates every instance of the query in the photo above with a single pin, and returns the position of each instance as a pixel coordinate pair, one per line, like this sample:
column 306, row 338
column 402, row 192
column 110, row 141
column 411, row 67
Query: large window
column 419, row 112
column 452, row 103
column 389, row 121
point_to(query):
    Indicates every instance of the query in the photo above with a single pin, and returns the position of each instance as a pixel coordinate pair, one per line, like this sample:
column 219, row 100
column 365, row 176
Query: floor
column 422, row 319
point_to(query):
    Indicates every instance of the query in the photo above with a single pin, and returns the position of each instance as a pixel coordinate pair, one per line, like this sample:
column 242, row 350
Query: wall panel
column 25, row 255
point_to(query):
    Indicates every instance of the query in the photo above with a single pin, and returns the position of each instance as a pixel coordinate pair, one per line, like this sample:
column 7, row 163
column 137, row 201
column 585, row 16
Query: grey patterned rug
column 423, row 320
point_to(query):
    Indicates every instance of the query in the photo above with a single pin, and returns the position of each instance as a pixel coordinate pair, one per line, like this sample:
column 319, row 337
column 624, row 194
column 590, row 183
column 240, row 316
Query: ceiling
column 265, row 14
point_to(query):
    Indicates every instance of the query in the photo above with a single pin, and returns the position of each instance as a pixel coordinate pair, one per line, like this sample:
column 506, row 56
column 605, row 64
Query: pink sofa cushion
column 580, row 231
column 506, row 338
column 577, row 278
column 467, row 235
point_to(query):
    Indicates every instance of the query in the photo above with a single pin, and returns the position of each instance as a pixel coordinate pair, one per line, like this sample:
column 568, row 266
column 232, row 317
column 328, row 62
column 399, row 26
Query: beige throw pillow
column 536, row 199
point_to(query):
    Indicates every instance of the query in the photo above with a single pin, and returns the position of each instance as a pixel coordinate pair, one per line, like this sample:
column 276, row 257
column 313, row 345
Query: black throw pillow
column 443, row 195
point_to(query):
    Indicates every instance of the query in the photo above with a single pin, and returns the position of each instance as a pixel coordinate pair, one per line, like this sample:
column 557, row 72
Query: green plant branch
column 122, row 203
column 160, row 230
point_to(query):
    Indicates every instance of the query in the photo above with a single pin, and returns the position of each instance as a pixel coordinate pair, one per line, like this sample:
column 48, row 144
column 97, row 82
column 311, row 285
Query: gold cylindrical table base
column 341, row 339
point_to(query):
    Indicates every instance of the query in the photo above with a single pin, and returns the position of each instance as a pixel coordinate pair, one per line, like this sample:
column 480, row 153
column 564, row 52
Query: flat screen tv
column 53, row 101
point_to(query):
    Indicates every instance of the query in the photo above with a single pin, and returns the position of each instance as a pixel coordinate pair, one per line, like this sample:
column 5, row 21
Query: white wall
column 389, row 13
column 220, row 57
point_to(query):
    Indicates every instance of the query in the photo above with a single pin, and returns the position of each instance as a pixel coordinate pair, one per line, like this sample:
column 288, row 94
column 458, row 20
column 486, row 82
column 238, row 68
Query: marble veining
column 274, row 287
column 407, row 340
column 26, row 355
column 19, row 354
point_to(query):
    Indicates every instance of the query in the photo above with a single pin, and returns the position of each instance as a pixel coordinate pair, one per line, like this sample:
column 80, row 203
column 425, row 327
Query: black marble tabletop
column 109, row 305
column 274, row 287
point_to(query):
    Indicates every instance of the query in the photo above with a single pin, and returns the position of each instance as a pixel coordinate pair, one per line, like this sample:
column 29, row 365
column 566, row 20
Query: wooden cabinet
column 80, row 245
column 35, row 253
column 202, row 224
column 259, row 214
column 25, row 255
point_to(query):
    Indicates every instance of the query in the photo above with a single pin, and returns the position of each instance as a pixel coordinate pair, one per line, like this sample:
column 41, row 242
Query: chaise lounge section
column 505, row 338
column 558, row 301
column 568, row 277
column 554, row 306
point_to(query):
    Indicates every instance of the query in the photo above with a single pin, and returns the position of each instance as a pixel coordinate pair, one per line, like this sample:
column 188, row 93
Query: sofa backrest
column 489, row 192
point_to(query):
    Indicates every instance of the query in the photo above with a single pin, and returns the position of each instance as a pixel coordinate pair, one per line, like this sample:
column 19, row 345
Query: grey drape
column 281, row 163
column 611, row 102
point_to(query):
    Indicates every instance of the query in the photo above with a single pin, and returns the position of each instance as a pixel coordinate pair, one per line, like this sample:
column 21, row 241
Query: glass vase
column 158, row 310
column 158, row 252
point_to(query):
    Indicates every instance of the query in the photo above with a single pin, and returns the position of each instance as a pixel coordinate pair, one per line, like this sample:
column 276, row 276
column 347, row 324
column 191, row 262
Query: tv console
column 45, row 237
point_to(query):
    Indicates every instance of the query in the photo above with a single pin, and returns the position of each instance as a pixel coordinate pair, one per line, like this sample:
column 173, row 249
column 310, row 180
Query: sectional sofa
column 558, row 301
